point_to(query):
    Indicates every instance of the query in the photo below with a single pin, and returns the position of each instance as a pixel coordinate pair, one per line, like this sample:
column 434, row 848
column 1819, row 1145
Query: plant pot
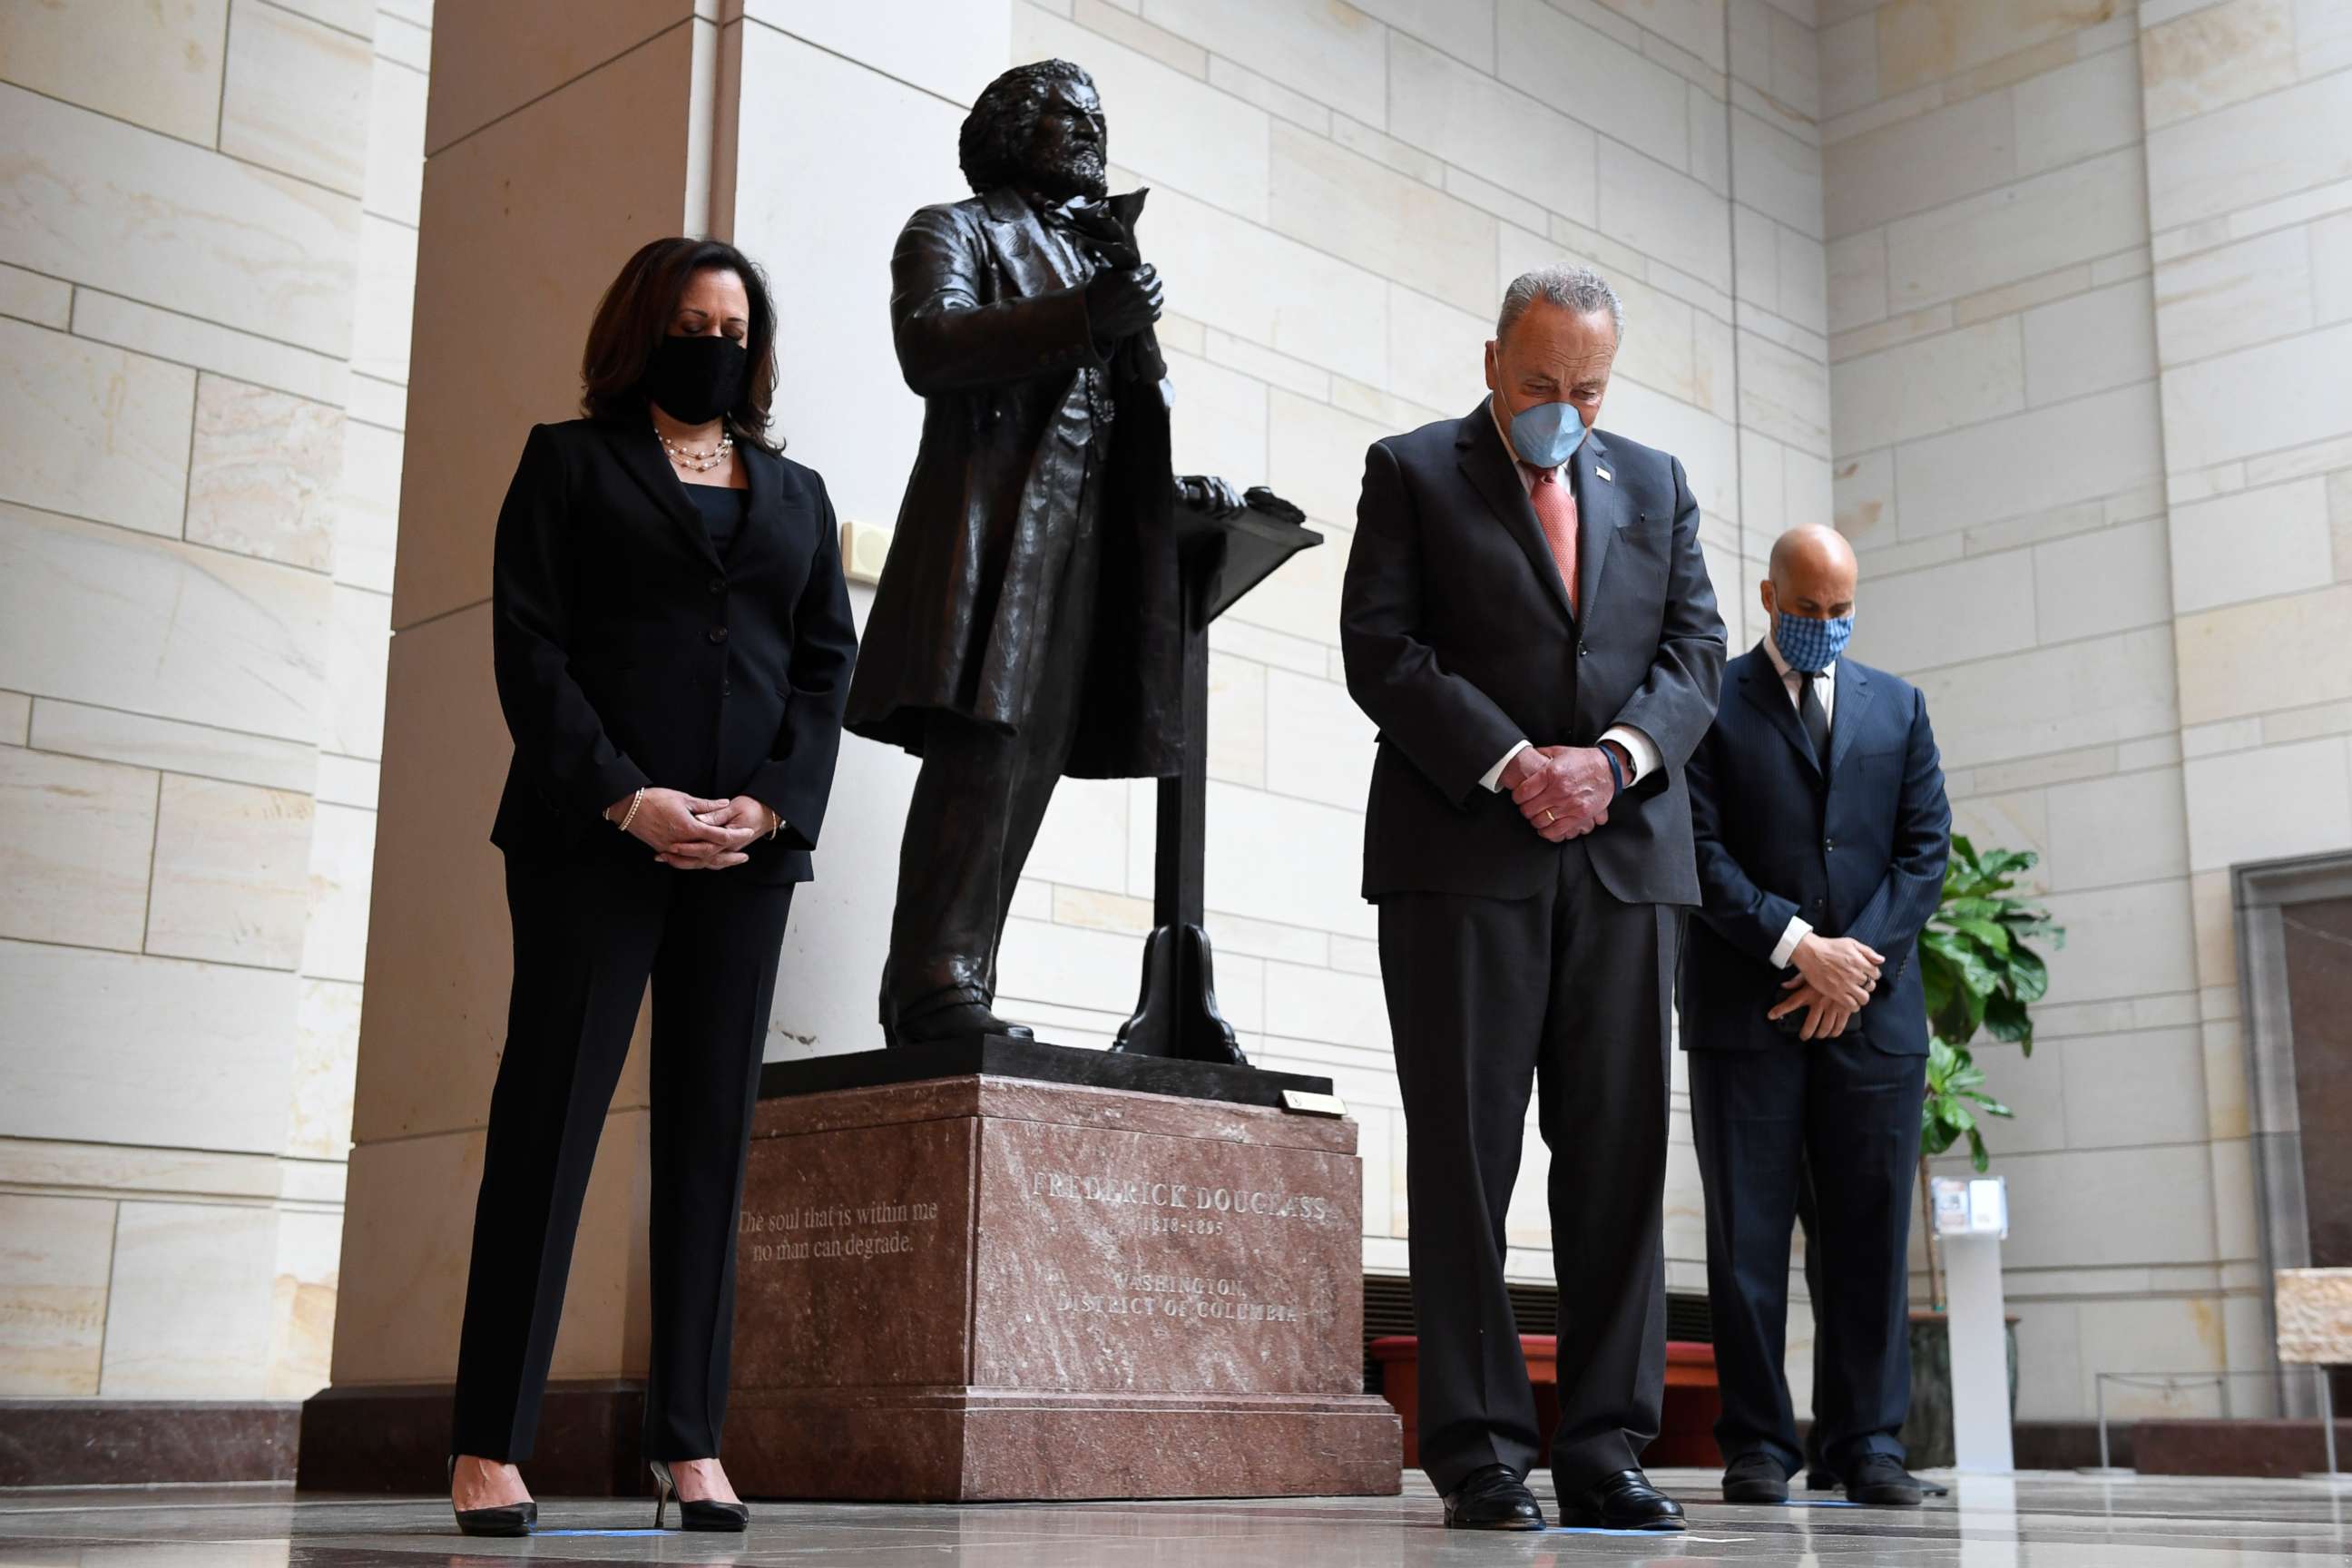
column 1928, row 1429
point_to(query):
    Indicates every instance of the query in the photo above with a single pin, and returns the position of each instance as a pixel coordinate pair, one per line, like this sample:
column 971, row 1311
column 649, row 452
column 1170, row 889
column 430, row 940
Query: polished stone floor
column 2034, row 1521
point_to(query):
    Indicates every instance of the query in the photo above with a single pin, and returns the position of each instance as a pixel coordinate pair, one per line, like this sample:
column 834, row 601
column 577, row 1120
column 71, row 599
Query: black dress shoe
column 1821, row 1478
column 507, row 1519
column 1492, row 1498
column 1879, row 1480
column 1625, row 1500
column 1755, row 1478
column 694, row 1513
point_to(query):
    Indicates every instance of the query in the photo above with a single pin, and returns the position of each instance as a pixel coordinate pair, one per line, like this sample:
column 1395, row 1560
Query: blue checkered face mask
column 1810, row 645
column 1546, row 435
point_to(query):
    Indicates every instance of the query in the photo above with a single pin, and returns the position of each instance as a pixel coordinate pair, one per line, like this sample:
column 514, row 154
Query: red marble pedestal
column 987, row 1288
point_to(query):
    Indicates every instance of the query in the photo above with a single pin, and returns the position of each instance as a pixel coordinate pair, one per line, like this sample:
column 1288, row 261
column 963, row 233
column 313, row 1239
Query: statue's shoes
column 961, row 1021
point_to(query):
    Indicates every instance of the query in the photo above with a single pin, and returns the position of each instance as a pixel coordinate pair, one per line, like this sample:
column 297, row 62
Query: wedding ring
column 1546, row 816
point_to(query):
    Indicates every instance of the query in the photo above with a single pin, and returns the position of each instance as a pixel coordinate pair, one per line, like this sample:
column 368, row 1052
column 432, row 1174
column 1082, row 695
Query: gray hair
column 1578, row 289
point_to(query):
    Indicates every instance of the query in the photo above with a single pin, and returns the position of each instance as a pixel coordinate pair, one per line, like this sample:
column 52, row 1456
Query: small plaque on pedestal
column 980, row 1286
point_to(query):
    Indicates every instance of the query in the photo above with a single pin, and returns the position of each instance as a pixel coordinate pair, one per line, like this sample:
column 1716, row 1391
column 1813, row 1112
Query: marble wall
column 2087, row 288
column 207, row 229
column 2044, row 302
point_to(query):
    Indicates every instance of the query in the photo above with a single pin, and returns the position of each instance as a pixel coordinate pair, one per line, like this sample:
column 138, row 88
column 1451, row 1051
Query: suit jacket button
column 719, row 584
column 1827, row 845
column 1582, row 651
column 718, row 633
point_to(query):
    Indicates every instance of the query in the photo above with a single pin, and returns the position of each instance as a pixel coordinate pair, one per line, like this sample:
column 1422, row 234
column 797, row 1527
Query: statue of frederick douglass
column 1027, row 624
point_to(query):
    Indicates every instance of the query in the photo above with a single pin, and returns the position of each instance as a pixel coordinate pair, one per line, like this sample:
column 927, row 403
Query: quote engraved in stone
column 843, row 1233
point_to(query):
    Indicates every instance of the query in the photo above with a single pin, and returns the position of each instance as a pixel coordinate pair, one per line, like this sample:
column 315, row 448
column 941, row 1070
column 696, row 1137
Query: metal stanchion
column 2328, row 1417
column 2107, row 1464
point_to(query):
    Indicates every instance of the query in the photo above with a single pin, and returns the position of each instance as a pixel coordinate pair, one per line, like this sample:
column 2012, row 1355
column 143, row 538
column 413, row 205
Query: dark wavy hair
column 636, row 313
column 993, row 146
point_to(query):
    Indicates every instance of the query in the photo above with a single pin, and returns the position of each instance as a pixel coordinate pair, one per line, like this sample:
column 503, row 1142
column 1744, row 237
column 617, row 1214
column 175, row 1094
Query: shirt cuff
column 1493, row 777
column 1638, row 746
column 1797, row 931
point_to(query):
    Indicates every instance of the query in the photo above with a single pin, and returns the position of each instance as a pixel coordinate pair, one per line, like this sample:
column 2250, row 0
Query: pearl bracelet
column 637, row 801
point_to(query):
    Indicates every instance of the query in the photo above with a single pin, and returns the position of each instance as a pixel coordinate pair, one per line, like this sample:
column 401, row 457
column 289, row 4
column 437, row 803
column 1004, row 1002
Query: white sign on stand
column 1972, row 1219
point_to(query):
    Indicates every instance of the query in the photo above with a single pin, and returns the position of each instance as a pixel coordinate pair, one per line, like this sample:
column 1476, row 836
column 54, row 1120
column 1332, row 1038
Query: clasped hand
column 1834, row 979
column 1562, row 790
column 689, row 833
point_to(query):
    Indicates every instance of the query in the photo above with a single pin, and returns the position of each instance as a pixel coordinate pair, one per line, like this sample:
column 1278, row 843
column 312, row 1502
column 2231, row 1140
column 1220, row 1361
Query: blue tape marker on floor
column 1807, row 1503
column 600, row 1532
column 1596, row 1530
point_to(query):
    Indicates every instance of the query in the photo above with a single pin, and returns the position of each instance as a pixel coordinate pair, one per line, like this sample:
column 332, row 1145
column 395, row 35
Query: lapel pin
column 1603, row 472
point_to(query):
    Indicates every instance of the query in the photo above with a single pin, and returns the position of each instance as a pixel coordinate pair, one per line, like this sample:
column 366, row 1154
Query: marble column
column 557, row 140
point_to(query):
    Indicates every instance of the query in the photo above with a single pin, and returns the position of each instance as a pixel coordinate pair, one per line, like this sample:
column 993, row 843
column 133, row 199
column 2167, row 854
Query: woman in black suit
column 673, row 644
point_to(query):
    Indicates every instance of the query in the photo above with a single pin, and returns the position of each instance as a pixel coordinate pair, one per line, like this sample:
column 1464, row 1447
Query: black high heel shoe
column 506, row 1518
column 692, row 1513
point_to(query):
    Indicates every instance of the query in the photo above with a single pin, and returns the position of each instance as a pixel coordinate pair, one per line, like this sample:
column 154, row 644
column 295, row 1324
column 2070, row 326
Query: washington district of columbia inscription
column 835, row 1232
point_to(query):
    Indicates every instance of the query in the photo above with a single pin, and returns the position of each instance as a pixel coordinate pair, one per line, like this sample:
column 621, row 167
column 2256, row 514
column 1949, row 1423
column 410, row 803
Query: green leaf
column 1977, row 1155
column 2029, row 978
column 1987, row 933
column 1989, row 1106
column 2006, row 1018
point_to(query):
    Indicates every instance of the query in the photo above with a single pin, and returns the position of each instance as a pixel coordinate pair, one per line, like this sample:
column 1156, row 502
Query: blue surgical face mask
column 1546, row 435
column 1810, row 645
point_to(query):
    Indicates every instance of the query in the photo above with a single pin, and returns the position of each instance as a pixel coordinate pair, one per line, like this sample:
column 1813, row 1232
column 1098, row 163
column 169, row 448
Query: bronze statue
column 1028, row 624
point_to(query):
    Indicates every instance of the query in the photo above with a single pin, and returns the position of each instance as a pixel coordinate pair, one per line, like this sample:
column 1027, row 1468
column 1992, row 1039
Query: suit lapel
column 1845, row 721
column 763, row 478
column 1760, row 684
column 1601, row 510
column 640, row 453
column 1487, row 464
column 1032, row 258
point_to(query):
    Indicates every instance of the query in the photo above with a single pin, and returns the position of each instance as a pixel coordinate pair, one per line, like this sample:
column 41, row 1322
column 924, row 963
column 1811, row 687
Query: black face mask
column 697, row 379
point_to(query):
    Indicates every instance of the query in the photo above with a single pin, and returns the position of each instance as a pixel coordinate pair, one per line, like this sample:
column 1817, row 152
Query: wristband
column 1616, row 773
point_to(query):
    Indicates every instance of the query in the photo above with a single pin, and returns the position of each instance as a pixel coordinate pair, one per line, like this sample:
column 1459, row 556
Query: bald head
column 1812, row 574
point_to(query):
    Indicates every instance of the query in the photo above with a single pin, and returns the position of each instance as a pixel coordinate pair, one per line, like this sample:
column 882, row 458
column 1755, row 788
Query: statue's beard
column 1079, row 173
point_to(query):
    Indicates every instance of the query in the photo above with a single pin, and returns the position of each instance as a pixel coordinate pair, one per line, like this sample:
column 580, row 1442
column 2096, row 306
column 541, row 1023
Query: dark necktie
column 1816, row 718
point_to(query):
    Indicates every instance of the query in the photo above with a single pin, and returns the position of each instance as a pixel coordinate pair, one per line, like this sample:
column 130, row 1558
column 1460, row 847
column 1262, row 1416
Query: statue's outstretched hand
column 1207, row 493
column 1261, row 500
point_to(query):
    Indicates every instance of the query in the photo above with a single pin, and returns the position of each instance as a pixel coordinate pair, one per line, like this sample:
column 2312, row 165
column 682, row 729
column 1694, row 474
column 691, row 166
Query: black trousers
column 587, row 934
column 1566, row 994
column 982, row 794
column 1851, row 1113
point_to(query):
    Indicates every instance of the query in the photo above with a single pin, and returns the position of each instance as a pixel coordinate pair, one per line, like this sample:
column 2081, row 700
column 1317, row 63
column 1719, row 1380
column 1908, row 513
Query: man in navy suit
column 1527, row 618
column 1817, row 802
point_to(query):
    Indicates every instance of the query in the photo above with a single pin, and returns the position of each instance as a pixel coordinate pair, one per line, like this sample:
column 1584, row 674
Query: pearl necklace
column 701, row 462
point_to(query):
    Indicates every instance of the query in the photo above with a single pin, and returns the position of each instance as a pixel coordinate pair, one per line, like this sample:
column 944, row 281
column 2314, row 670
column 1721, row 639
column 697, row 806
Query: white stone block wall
column 208, row 238
column 2093, row 422
column 2079, row 271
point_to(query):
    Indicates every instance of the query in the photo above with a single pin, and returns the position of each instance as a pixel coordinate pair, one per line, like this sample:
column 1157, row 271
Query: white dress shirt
column 1824, row 688
column 1639, row 749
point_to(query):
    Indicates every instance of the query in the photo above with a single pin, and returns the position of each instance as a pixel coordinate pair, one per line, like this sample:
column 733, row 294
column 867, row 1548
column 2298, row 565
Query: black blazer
column 629, row 654
column 1858, row 854
column 1459, row 642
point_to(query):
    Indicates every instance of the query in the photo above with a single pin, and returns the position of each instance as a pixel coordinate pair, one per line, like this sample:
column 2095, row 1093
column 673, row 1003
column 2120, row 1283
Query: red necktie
column 1555, row 505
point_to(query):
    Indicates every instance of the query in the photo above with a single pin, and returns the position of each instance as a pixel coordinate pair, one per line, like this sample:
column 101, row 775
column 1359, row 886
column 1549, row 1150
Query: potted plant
column 1981, row 972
